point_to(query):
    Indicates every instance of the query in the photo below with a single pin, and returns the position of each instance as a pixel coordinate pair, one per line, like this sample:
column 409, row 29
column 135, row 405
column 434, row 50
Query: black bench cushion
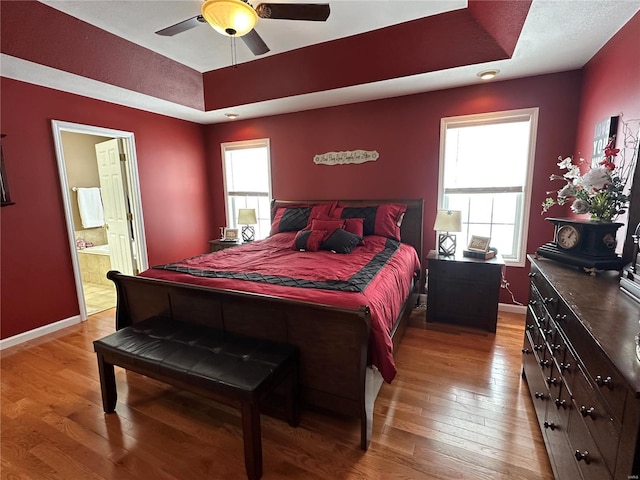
column 237, row 367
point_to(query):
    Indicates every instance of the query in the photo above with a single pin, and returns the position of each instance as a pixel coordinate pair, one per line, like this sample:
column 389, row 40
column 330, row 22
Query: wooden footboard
column 333, row 341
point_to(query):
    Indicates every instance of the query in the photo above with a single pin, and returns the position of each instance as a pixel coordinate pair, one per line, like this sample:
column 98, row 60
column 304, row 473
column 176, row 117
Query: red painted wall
column 405, row 131
column 179, row 186
column 611, row 84
column 611, row 87
column 37, row 281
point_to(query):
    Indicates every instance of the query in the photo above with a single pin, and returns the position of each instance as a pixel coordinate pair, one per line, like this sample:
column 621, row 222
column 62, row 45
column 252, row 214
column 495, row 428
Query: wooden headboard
column 410, row 230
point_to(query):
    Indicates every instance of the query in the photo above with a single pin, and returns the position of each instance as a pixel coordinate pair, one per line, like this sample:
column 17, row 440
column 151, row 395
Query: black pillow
column 341, row 241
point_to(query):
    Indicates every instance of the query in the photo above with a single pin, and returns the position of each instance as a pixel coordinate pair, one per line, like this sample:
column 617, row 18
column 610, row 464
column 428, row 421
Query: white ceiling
column 558, row 35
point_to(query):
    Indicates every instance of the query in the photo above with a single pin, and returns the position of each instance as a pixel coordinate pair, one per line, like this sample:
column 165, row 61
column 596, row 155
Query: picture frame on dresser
column 230, row 234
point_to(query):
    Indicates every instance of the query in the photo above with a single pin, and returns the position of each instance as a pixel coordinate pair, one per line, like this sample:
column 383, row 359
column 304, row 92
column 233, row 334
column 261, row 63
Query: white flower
column 566, row 163
column 573, row 171
column 567, row 191
column 595, row 179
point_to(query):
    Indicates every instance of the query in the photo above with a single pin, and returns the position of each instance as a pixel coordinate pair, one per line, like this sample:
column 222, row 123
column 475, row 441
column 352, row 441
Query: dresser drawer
column 597, row 418
column 535, row 379
column 538, row 303
column 555, row 431
column 597, row 367
column 584, row 449
column 547, row 293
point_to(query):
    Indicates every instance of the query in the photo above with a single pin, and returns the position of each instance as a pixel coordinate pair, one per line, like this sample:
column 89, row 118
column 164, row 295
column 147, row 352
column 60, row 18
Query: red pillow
column 296, row 217
column 329, row 226
column 384, row 219
column 355, row 226
column 309, row 240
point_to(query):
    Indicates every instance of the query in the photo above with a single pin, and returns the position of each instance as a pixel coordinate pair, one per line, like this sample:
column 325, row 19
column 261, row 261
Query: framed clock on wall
column 583, row 243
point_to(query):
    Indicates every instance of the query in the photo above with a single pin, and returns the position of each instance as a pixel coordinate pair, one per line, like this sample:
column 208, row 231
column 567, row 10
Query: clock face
column 567, row 237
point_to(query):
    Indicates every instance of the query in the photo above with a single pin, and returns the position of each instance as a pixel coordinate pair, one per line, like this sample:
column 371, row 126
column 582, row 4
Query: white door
column 117, row 214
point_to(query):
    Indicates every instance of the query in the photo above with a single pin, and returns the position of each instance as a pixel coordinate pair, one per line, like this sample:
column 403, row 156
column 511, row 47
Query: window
column 247, row 182
column 486, row 166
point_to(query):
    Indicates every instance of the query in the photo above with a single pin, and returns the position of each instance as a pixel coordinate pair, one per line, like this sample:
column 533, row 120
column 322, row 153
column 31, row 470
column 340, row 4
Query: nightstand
column 464, row 291
column 217, row 245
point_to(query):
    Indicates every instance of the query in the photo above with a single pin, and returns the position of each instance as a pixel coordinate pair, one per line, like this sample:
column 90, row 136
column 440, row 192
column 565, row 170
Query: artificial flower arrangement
column 600, row 191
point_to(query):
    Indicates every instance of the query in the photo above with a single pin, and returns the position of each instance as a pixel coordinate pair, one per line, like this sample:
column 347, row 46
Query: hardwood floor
column 458, row 409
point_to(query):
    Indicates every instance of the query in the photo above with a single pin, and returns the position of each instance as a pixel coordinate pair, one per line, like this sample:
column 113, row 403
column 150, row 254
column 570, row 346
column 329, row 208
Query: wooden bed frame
column 336, row 379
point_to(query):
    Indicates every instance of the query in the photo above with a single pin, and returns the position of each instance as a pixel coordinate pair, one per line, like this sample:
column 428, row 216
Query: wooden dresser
column 580, row 364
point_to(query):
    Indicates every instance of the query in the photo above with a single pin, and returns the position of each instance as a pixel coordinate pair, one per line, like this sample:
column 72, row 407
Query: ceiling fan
column 236, row 18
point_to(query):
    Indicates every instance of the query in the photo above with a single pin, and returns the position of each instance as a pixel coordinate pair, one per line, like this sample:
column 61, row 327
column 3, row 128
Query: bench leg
column 107, row 385
column 252, row 439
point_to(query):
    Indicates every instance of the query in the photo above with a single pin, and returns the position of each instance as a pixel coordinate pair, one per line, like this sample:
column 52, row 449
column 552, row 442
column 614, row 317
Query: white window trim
column 227, row 146
column 530, row 114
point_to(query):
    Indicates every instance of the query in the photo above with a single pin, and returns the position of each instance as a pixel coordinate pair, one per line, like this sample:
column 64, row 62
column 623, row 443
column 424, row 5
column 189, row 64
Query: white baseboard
column 38, row 332
column 511, row 308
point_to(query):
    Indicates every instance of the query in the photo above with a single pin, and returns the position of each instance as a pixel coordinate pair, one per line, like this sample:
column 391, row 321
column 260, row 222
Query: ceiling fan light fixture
column 488, row 74
column 234, row 18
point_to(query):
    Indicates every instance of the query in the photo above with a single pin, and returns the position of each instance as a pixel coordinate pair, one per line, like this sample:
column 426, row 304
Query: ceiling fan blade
column 182, row 26
column 255, row 43
column 315, row 12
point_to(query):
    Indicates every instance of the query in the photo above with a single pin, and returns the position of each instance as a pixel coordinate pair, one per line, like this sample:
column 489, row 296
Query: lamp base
column 248, row 234
column 446, row 244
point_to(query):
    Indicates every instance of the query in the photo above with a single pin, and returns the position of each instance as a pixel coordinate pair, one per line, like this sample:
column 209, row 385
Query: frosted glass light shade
column 247, row 216
column 448, row 221
column 234, row 18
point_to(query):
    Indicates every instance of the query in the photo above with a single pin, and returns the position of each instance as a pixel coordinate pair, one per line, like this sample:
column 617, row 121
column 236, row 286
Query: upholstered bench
column 237, row 371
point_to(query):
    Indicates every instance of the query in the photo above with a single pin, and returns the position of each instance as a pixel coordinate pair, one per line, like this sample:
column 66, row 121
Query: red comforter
column 377, row 274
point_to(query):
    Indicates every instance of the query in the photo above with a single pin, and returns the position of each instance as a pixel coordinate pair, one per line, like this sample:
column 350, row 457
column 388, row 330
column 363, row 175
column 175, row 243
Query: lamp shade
column 247, row 216
column 448, row 221
column 234, row 18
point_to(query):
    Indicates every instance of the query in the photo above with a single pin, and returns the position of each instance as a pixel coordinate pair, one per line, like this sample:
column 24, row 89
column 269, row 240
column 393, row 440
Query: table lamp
column 247, row 217
column 447, row 221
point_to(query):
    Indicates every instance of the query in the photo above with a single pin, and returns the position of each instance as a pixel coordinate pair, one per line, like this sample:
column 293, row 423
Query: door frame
column 133, row 186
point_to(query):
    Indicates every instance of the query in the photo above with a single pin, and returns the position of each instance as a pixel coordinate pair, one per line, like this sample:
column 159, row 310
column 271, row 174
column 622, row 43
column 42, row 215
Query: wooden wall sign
column 349, row 156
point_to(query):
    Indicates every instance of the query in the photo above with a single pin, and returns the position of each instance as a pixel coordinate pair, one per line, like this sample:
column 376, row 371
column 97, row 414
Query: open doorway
column 101, row 196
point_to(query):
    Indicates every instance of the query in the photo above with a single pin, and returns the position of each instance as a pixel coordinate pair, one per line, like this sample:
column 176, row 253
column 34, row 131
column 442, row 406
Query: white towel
column 90, row 205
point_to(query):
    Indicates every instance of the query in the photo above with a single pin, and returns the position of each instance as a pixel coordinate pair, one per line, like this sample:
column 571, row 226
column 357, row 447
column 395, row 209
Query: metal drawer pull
column 582, row 456
column 556, row 347
column 532, row 274
column 565, row 366
column 544, row 363
column 532, row 302
column 540, row 396
column 561, row 403
column 606, row 381
column 538, row 348
column 526, row 351
column 551, row 425
column 530, row 326
column 560, row 317
column 588, row 412
column 548, row 300
column 552, row 381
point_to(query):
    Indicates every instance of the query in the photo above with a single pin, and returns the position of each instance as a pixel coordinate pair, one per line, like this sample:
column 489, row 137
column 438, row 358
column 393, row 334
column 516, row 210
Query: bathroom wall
column 82, row 171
